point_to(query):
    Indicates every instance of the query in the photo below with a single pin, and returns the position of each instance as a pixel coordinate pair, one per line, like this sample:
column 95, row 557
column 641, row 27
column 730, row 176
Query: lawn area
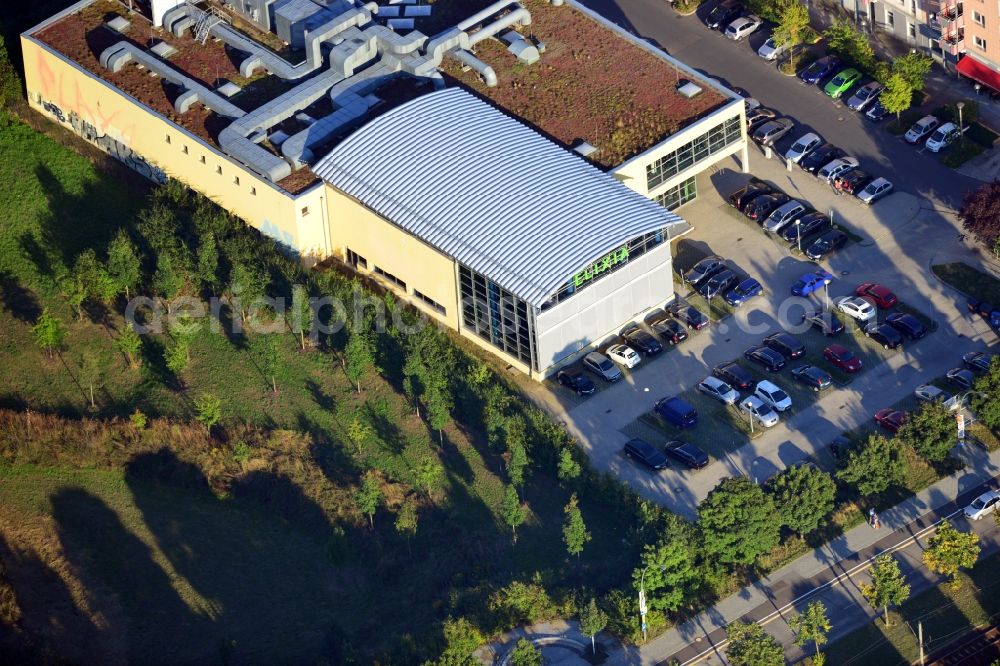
column 968, row 280
column 947, row 614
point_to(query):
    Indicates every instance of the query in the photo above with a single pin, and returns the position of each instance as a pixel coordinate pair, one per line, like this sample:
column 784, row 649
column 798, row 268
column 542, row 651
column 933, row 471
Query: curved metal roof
column 489, row 191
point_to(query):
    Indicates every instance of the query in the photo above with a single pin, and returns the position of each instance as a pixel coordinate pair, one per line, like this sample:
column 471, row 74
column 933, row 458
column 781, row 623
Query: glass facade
column 678, row 195
column 496, row 316
column 715, row 140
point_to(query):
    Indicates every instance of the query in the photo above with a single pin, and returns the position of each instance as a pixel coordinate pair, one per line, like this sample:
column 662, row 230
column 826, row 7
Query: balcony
column 950, row 14
column 953, row 42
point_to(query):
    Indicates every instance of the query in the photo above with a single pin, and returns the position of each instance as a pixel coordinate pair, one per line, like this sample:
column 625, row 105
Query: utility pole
column 920, row 639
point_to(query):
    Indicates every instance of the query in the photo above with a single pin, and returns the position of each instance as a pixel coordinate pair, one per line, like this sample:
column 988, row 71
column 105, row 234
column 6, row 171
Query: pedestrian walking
column 871, row 516
column 876, row 523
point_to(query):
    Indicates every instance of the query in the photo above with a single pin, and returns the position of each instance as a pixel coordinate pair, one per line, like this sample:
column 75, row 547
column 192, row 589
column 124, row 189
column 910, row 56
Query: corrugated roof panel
column 489, row 191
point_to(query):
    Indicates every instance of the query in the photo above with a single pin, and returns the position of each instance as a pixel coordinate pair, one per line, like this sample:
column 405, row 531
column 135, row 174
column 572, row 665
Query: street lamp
column 961, row 132
column 642, row 597
column 798, row 236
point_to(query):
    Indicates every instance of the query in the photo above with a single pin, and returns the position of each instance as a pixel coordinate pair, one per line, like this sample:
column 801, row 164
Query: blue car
column 743, row 292
column 820, row 69
column 811, row 282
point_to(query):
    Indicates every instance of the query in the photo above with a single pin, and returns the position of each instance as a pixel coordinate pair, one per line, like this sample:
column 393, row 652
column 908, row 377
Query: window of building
column 305, row 211
column 391, row 278
column 694, row 151
column 218, row 170
column 678, row 195
column 911, row 30
column 355, row 259
column 496, row 316
column 167, row 137
column 236, row 180
column 434, row 305
column 890, row 18
column 979, row 42
column 184, row 150
column 253, row 191
column 979, row 18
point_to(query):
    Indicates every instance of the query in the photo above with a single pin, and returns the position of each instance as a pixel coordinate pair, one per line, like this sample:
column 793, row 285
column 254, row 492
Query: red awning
column 977, row 71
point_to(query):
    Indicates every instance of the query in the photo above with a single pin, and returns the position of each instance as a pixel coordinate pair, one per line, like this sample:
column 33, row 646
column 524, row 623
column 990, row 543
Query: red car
column 843, row 358
column 877, row 294
column 890, row 419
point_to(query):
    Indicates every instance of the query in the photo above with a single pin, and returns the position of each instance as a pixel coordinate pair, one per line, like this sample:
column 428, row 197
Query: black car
column 766, row 357
column 820, row 157
column 734, row 374
column 670, row 330
column 690, row 316
column 703, row 269
column 718, row 284
column 813, row 377
column 826, row 323
column 646, row 453
column 785, row 344
column 877, row 113
column 642, row 342
column 907, row 324
column 755, row 188
column 723, row 14
column 760, row 207
column 885, row 335
column 689, row 454
column 576, row 381
column 853, row 181
column 807, row 225
column 827, row 243
column 962, row 378
column 977, row 361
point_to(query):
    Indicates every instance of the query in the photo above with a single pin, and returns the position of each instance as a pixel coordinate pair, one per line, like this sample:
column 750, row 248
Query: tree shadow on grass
column 387, row 431
column 18, row 300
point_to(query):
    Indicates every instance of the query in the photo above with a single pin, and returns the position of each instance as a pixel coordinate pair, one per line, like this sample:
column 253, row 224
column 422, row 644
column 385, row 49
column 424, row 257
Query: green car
column 840, row 84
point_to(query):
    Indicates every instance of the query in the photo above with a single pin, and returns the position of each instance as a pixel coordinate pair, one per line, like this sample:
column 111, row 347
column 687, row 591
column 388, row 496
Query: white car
column 983, row 505
column 921, row 129
column 835, row 168
column 624, row 355
column 718, row 389
column 931, row 393
column 759, row 411
column 769, row 50
column 943, row 137
column 742, row 27
column 805, row 145
column 875, row 190
column 784, row 215
column 771, row 394
column 857, row 308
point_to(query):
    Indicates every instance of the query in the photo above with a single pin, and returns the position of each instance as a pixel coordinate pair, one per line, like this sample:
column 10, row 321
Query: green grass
column 906, row 120
column 961, row 152
column 968, row 280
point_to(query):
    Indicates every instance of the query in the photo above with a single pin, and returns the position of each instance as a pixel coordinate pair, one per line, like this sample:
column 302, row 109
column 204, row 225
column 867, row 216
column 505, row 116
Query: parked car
column 642, row 341
column 826, row 323
column 801, row 148
column 677, row 412
column 820, row 69
column 884, row 334
column 770, row 50
column 771, row 394
column 811, row 282
column 718, row 389
column 783, row 216
column 985, row 310
column 806, row 226
column 931, row 393
column 961, row 377
column 921, row 129
column 890, row 419
column 742, row 27
column 690, row 315
column 827, row 243
column 983, row 505
column 875, row 190
column 815, row 378
column 601, row 365
column 765, row 357
column 832, row 169
column 820, row 155
column 645, row 453
column 757, row 410
column 843, row 358
column 877, row 112
column 723, row 14
column 670, row 330
column 857, row 308
column 785, row 344
column 734, row 374
column 753, row 189
column 718, row 284
column 943, row 136
column 907, row 324
column 687, row 453
column 977, row 361
column 772, row 130
column 865, row 95
column 743, row 292
column 705, row 268
column 852, row 181
column 623, row 355
column 576, row 381
column 842, row 82
column 759, row 116
column 878, row 294
column 761, row 207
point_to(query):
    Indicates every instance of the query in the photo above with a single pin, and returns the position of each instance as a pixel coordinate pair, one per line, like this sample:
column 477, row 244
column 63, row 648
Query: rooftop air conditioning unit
column 688, row 89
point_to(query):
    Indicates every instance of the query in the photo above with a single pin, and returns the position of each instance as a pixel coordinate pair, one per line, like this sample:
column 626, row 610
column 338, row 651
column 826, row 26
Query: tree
column 592, row 622
column 738, row 522
column 569, row 468
column 91, row 374
column 517, row 462
column 406, row 520
column 575, row 534
column 844, row 39
column 878, row 464
column 302, row 315
column 438, row 402
column 792, row 25
column 359, row 356
column 811, row 625
column 897, row 96
column 888, row 587
column 369, row 497
column 178, row 353
column 248, row 285
column 986, row 396
column 804, row 497
column 208, row 262
column 980, row 213
column 129, row 343
column 124, row 263
column 950, row 550
column 750, row 645
column 270, row 358
column 511, row 510
column 913, row 68
column 168, row 279
column 428, row 474
column 49, row 332
column 359, row 431
column 671, row 578
column 208, row 410
column 462, row 638
column 931, row 431
column 525, row 654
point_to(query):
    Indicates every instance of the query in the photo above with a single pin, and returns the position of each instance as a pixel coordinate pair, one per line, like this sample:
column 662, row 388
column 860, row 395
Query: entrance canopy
column 980, row 72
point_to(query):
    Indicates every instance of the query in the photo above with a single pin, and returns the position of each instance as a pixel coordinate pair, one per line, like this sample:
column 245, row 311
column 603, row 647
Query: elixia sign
column 602, row 265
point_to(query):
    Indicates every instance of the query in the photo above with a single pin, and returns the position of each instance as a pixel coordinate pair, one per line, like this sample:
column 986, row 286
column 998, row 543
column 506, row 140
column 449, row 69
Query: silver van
column 783, row 216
